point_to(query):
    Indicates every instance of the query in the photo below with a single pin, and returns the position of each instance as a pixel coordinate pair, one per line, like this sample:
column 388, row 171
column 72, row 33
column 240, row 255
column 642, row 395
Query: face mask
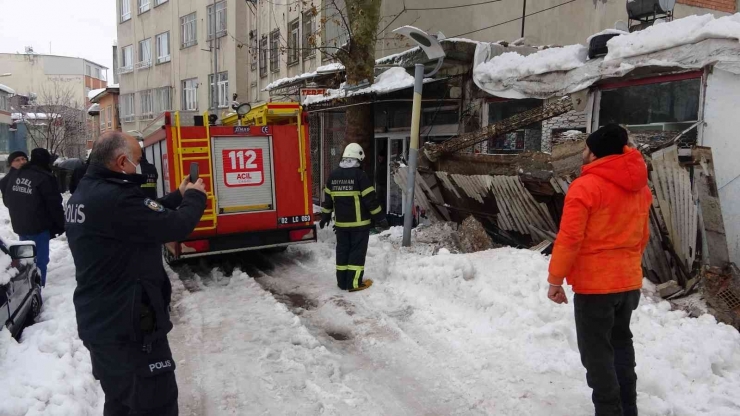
column 137, row 167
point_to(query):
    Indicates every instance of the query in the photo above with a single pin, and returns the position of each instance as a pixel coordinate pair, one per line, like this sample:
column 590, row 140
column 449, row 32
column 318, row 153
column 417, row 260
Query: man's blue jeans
column 42, row 251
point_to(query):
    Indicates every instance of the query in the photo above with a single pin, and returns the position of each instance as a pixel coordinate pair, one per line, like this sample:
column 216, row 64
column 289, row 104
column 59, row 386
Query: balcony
column 143, row 64
column 125, row 69
column 163, row 59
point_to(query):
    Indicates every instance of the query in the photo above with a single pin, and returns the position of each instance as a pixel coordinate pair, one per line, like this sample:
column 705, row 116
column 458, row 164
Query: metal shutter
column 233, row 199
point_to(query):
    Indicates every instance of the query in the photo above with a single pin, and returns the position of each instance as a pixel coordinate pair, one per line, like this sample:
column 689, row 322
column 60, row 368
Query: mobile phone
column 193, row 172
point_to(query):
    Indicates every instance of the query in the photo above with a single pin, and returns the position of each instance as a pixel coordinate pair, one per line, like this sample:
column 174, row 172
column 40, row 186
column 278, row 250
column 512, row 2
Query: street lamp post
column 431, row 47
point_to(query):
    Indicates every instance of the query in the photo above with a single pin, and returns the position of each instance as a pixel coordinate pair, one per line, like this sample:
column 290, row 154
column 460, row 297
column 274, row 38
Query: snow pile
column 512, row 65
column 49, row 371
column 93, row 93
column 6, row 273
column 333, row 67
column 691, row 29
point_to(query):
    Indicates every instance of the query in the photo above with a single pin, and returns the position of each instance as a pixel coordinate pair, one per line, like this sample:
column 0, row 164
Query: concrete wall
column 720, row 133
column 568, row 24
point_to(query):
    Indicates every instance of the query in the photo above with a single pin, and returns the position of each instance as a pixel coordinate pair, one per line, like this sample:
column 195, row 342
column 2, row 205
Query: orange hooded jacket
column 604, row 228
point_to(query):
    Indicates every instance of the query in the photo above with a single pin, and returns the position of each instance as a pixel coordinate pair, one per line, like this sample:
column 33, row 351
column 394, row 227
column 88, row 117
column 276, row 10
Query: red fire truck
column 257, row 174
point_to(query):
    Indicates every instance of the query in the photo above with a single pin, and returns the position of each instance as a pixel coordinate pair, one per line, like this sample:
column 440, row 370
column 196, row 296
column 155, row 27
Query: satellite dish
column 621, row 25
column 243, row 109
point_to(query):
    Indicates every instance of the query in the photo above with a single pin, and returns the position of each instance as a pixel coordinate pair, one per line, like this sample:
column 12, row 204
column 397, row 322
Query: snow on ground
column 48, row 373
column 449, row 334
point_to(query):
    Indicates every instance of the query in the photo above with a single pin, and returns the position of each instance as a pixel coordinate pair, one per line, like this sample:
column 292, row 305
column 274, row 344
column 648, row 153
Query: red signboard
column 243, row 167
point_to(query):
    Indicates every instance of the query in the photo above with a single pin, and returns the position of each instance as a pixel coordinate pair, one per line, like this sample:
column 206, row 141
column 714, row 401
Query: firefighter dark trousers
column 136, row 380
column 605, row 343
column 351, row 251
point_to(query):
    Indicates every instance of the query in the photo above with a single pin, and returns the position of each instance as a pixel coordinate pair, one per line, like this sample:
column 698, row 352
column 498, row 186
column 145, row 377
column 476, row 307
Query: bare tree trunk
column 359, row 61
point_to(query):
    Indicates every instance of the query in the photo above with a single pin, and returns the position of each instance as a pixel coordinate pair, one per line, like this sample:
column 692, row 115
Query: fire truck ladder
column 182, row 153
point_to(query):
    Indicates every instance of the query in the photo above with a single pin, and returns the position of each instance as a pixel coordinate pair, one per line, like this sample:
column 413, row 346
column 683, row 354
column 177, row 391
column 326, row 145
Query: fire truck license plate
column 243, row 167
column 294, row 220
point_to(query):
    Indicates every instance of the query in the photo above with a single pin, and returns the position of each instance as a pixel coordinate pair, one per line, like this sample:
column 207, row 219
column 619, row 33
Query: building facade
column 48, row 78
column 168, row 53
column 107, row 117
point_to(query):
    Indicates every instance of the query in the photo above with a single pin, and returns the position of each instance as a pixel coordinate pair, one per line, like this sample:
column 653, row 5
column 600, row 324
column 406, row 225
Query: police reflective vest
column 349, row 194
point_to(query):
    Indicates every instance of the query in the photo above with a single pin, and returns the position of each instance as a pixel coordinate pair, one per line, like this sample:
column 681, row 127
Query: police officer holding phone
column 123, row 294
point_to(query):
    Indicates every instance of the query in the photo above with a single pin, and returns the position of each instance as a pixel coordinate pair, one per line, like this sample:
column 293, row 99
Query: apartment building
column 53, row 78
column 166, row 53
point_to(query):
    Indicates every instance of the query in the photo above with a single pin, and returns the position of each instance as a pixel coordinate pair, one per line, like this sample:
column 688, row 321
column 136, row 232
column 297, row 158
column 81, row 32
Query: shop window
column 664, row 106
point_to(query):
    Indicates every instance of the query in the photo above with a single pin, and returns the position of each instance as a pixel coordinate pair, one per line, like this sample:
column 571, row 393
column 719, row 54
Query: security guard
column 122, row 297
column 351, row 197
column 150, row 173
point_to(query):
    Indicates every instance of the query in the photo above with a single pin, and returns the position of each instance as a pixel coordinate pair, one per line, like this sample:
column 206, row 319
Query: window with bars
column 143, row 6
column 125, row 8
column 146, row 104
column 190, row 94
column 253, row 49
column 162, row 100
column 309, row 30
column 127, row 59
column 126, row 105
column 293, row 41
column 109, row 116
column 220, row 19
column 145, row 54
column 275, row 50
column 188, row 31
column 163, row 47
column 263, row 56
column 221, row 89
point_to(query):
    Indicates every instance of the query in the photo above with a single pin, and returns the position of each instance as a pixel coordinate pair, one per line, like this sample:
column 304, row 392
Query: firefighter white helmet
column 354, row 151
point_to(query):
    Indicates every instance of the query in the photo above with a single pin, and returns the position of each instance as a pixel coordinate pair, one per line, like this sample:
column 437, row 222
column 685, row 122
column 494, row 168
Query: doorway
column 390, row 149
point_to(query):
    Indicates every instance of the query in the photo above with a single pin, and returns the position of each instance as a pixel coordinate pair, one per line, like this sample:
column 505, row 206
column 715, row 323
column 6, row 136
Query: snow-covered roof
column 93, row 93
column 112, row 85
column 691, row 43
column 326, row 69
column 393, row 79
column 94, row 108
column 7, row 89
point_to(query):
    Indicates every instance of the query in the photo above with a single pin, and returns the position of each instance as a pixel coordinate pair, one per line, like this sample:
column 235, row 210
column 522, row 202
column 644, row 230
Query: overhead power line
column 453, row 7
column 513, row 20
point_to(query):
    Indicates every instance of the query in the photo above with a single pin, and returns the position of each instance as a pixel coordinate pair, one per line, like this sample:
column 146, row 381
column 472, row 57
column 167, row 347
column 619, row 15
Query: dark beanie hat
column 608, row 140
column 40, row 157
column 15, row 155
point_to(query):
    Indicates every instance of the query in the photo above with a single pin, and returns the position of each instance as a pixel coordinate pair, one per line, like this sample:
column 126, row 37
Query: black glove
column 383, row 225
column 323, row 223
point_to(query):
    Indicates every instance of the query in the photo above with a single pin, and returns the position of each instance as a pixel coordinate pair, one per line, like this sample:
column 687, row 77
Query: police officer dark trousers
column 351, row 197
column 123, row 294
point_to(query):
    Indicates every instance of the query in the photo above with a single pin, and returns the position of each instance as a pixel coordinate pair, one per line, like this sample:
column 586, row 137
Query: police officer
column 35, row 205
column 351, row 197
column 122, row 297
column 150, row 173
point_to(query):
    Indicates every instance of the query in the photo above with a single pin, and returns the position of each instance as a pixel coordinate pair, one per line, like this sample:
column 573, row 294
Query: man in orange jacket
column 603, row 232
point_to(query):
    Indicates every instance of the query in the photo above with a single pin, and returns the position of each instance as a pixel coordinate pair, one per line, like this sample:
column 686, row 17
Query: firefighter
column 150, row 173
column 123, row 294
column 351, row 197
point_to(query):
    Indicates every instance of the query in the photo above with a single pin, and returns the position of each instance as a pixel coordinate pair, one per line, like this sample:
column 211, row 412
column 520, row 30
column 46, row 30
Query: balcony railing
column 125, row 69
column 143, row 64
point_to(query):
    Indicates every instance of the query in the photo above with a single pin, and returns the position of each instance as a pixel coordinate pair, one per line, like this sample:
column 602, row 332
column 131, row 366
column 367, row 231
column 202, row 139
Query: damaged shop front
column 679, row 114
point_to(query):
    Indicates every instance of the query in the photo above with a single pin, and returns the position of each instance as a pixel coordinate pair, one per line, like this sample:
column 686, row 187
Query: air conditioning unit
column 640, row 9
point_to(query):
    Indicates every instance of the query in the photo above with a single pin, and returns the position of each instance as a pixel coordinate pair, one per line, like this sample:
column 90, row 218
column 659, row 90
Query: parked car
column 20, row 291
